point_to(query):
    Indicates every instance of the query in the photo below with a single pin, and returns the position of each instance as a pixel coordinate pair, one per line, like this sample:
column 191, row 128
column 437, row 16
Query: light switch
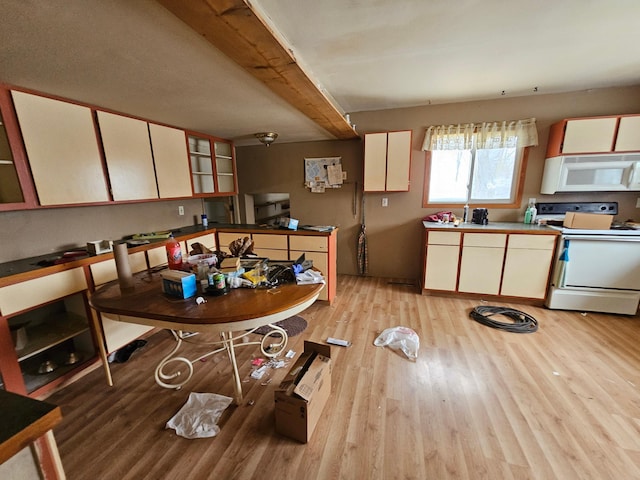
column 385, row 202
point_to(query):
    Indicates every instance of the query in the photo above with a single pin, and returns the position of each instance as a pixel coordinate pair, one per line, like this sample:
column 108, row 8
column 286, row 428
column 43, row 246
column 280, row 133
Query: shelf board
column 6, row 162
column 54, row 331
column 226, row 157
column 200, row 154
column 225, row 174
column 203, row 173
column 34, row 380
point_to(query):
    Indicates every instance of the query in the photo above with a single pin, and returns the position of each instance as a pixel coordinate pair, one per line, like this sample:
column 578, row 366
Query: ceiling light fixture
column 267, row 137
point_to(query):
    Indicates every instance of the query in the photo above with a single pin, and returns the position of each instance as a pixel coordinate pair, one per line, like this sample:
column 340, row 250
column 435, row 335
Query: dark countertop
column 56, row 261
column 23, row 421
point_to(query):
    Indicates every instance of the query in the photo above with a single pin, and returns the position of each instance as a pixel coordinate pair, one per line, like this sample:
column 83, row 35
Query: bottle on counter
column 530, row 213
column 205, row 220
column 465, row 213
column 174, row 253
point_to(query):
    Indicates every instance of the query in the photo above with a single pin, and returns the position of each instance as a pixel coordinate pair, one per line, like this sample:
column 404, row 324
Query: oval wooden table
column 233, row 316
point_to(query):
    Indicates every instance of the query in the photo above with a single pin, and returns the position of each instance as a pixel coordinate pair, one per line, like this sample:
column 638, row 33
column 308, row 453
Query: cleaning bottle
column 527, row 214
column 465, row 213
column 174, row 253
column 534, row 213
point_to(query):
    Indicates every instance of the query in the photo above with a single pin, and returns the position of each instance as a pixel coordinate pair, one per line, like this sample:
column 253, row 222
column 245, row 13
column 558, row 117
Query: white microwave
column 591, row 173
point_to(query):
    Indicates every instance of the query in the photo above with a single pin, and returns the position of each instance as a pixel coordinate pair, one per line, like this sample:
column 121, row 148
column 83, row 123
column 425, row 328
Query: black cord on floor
column 522, row 322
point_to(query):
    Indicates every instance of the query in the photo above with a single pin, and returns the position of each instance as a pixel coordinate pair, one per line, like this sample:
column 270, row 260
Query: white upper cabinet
column 628, row 139
column 62, row 149
column 387, row 161
column 171, row 159
column 128, row 155
column 589, row 135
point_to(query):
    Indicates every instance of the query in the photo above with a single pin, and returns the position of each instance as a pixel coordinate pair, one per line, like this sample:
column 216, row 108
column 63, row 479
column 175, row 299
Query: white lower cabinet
column 501, row 264
column 481, row 263
column 443, row 251
column 527, row 265
column 117, row 334
column 46, row 319
column 316, row 249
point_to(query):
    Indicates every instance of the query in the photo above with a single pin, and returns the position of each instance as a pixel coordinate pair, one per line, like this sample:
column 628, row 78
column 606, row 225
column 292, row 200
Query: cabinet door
column 128, row 154
column 270, row 246
column 24, row 295
column 321, row 262
column 375, row 162
column 527, row 265
column 628, row 139
column 481, row 264
column 441, row 270
column 441, row 264
column 208, row 240
column 171, row 159
column 398, row 161
column 309, row 243
column 117, row 334
column 589, row 135
column 63, row 152
column 225, row 238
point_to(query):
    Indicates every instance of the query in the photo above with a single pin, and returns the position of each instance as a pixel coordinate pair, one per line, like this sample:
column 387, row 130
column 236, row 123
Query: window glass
column 473, row 176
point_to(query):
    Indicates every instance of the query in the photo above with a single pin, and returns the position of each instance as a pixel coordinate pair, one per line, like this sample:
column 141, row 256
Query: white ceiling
column 135, row 57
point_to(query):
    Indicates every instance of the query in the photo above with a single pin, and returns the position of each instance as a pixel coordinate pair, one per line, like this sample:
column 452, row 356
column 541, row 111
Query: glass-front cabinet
column 212, row 166
column 16, row 189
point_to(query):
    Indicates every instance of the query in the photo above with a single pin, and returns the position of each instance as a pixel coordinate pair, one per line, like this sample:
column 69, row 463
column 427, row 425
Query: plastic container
column 205, row 220
column 465, row 214
column 174, row 254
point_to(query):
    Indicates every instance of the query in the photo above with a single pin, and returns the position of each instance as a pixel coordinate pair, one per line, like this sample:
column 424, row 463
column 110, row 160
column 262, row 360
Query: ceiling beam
column 239, row 32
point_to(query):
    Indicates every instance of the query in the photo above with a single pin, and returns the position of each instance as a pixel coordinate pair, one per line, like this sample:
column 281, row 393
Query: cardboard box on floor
column 302, row 395
column 587, row 221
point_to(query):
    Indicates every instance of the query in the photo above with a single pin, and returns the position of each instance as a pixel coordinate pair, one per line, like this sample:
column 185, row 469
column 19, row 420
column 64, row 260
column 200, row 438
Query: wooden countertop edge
column 29, row 434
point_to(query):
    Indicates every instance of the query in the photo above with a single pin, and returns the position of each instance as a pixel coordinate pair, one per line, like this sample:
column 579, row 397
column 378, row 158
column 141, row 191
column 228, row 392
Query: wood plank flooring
column 479, row 403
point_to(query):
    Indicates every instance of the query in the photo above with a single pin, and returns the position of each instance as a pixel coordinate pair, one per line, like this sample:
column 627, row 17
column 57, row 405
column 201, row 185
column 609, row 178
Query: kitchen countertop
column 27, row 267
column 493, row 227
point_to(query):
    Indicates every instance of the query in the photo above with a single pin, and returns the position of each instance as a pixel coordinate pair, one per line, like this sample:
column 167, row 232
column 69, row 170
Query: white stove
column 595, row 270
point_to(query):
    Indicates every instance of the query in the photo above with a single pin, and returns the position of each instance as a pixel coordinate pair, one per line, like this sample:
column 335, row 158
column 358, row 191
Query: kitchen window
column 477, row 164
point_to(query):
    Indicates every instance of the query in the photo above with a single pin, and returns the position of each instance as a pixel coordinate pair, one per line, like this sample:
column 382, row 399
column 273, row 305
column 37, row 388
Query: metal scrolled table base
column 176, row 380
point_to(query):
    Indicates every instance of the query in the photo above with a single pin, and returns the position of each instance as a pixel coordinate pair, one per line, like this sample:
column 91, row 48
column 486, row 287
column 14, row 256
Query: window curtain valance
column 514, row 133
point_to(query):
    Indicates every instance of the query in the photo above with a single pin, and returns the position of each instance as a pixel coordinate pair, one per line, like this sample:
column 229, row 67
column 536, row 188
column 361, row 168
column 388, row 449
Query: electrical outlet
column 533, row 200
column 180, row 210
column 385, row 202
column 638, row 203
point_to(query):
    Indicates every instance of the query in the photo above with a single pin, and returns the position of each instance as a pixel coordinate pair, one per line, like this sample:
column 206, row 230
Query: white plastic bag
column 400, row 338
column 198, row 418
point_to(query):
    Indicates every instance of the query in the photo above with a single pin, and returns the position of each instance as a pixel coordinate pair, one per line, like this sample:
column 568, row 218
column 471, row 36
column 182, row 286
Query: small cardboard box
column 178, row 283
column 302, row 395
column 587, row 221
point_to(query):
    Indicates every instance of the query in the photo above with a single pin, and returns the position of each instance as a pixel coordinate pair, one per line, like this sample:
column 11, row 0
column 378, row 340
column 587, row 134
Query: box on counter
column 178, row 283
column 302, row 395
column 587, row 221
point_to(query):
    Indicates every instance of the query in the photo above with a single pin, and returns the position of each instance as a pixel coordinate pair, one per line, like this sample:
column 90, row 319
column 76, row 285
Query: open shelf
column 57, row 329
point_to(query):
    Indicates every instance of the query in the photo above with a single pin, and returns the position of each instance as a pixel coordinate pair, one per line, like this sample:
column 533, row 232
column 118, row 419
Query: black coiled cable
column 522, row 322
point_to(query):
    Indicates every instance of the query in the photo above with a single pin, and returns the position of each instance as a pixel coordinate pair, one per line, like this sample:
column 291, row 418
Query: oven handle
column 617, row 238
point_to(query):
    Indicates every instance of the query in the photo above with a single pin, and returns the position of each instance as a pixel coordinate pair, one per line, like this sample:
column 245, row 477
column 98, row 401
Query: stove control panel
column 610, row 208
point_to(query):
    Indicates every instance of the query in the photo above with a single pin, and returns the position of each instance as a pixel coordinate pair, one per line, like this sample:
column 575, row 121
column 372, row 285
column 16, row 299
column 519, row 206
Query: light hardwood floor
column 561, row 403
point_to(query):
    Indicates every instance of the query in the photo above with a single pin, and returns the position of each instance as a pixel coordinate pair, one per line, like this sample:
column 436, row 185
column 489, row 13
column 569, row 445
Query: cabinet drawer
column 308, row 243
column 532, row 242
column 443, row 238
column 208, row 241
column 262, row 241
column 496, row 240
column 225, row 238
column 104, row 272
column 21, row 296
column 157, row 256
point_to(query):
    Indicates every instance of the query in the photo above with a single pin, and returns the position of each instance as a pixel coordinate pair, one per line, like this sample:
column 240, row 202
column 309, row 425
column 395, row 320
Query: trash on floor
column 198, row 417
column 122, row 355
column 400, row 338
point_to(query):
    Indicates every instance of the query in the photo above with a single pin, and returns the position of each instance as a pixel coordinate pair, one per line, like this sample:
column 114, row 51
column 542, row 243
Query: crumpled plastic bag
column 400, row 338
column 198, row 417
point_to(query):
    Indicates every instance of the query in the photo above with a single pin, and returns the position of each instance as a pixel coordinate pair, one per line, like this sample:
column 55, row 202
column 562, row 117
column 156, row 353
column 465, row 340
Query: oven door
column 601, row 261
